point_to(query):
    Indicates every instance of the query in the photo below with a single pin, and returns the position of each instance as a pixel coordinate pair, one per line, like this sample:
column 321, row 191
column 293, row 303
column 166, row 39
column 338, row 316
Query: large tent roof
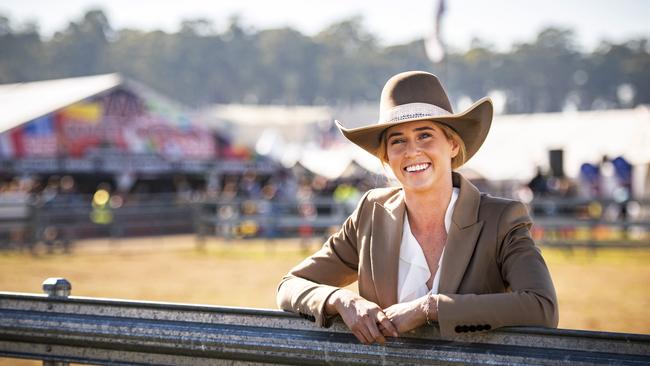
column 246, row 124
column 517, row 144
column 23, row 102
column 267, row 115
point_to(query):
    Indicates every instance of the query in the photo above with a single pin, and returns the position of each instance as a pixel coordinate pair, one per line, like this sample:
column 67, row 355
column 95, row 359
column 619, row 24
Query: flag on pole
column 433, row 44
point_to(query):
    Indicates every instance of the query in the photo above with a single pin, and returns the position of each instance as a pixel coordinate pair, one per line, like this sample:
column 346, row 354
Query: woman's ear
column 455, row 148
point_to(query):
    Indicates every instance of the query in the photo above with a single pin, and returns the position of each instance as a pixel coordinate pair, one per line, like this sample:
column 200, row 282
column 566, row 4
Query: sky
column 498, row 22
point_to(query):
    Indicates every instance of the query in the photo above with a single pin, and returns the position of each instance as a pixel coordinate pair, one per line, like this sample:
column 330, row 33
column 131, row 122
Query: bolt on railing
column 60, row 288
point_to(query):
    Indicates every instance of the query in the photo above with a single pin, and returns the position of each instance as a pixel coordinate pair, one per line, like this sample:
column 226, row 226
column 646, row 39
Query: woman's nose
column 412, row 149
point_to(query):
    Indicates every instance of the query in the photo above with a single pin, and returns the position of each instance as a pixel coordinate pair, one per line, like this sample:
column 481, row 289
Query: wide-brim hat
column 419, row 96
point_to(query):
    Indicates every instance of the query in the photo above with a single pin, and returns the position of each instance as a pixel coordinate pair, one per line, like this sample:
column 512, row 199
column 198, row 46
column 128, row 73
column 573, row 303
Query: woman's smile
column 419, row 154
column 417, row 168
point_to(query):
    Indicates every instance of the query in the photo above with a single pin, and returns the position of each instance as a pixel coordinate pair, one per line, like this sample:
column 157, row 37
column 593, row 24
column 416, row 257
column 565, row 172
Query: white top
column 413, row 268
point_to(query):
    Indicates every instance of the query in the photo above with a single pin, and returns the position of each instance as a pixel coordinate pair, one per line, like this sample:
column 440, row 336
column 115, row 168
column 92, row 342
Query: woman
column 434, row 249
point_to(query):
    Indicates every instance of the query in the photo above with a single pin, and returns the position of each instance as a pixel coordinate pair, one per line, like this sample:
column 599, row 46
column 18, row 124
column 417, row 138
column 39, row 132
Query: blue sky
column 499, row 22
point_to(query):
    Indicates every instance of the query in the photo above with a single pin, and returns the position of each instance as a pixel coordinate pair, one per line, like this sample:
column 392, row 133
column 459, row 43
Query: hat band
column 410, row 111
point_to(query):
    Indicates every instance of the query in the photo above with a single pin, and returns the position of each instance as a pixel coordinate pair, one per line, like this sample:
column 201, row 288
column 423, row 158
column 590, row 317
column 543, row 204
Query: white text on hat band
column 410, row 111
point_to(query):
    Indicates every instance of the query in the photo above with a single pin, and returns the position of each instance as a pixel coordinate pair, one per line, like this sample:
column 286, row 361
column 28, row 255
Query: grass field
column 603, row 290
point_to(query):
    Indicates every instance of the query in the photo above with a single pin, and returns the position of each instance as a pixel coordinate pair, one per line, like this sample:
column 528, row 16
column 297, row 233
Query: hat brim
column 472, row 126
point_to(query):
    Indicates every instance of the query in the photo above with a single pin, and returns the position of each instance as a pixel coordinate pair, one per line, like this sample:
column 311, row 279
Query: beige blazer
column 492, row 274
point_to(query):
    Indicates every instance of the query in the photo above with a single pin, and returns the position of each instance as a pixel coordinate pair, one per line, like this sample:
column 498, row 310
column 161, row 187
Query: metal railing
column 24, row 224
column 271, row 219
column 60, row 329
column 571, row 223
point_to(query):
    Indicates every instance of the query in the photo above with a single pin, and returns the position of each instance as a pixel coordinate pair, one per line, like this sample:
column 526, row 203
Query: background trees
column 343, row 64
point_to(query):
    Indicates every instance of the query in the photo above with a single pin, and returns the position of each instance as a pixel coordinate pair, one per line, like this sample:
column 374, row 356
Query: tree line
column 341, row 65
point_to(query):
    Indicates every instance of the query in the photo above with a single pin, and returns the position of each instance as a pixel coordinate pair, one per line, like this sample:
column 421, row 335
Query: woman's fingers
column 386, row 326
column 408, row 315
column 371, row 326
column 361, row 337
column 365, row 319
column 363, row 330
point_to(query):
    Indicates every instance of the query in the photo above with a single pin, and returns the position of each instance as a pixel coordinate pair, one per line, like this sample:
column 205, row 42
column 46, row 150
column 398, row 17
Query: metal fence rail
column 25, row 223
column 271, row 219
column 73, row 221
column 56, row 328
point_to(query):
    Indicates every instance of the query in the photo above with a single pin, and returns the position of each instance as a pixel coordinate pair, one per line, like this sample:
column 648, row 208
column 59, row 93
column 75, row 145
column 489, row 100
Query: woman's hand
column 410, row 315
column 364, row 318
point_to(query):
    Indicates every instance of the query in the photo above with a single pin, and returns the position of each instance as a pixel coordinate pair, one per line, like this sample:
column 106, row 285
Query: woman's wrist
column 330, row 303
column 335, row 301
column 430, row 308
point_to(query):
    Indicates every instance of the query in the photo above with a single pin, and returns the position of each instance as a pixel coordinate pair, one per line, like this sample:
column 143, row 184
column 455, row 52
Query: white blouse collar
column 450, row 208
column 413, row 268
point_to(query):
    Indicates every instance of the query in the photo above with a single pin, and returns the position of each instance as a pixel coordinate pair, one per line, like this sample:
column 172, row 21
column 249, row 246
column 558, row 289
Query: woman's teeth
column 416, row 167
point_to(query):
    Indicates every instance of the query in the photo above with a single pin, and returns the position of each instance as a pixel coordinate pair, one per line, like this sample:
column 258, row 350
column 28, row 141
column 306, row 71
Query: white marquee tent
column 515, row 146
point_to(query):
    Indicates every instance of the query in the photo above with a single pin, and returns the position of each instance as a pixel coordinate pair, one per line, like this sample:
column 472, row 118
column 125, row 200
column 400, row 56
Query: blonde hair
column 450, row 134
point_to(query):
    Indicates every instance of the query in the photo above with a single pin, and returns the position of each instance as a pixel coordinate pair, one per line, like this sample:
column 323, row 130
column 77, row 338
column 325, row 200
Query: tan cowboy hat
column 417, row 96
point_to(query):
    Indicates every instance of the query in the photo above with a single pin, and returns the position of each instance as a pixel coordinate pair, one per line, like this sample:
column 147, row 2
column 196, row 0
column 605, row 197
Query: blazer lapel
column 385, row 239
column 462, row 237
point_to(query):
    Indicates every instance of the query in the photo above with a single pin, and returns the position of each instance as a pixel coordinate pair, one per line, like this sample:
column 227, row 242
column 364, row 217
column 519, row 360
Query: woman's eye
column 425, row 135
column 396, row 141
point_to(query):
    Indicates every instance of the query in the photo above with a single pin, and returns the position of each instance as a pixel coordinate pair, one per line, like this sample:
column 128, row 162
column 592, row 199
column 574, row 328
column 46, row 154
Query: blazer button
column 472, row 328
column 480, row 328
column 487, row 327
column 458, row 329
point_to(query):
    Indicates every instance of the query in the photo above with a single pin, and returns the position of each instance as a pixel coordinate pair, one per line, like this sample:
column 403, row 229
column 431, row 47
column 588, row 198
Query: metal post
column 55, row 363
column 56, row 287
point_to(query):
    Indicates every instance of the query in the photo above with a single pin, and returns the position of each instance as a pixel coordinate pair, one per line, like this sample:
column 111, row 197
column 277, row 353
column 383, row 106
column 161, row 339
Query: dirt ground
column 603, row 290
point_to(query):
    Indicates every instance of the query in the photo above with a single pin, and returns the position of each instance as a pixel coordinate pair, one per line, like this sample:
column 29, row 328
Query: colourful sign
column 36, row 138
column 120, row 121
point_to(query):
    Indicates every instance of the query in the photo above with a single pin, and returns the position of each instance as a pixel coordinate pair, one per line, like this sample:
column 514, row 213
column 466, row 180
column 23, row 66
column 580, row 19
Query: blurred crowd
column 249, row 203
column 251, row 190
column 610, row 179
column 252, row 204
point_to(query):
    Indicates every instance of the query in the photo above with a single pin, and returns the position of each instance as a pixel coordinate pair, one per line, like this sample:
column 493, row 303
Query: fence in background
column 259, row 218
column 561, row 223
column 16, row 220
column 61, row 222
column 571, row 223
column 60, row 329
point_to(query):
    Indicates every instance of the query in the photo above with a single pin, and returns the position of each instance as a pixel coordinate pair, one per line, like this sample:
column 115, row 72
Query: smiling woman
column 434, row 249
column 420, row 154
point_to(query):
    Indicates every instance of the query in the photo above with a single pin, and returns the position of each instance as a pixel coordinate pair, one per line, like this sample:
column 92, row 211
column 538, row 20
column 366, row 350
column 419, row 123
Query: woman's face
column 419, row 154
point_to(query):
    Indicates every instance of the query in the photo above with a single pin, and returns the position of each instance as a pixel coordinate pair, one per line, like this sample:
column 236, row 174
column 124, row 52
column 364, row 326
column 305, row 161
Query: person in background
column 539, row 184
column 433, row 249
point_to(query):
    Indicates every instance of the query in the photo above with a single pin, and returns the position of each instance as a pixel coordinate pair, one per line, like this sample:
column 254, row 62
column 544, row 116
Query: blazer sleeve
column 531, row 300
column 307, row 286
